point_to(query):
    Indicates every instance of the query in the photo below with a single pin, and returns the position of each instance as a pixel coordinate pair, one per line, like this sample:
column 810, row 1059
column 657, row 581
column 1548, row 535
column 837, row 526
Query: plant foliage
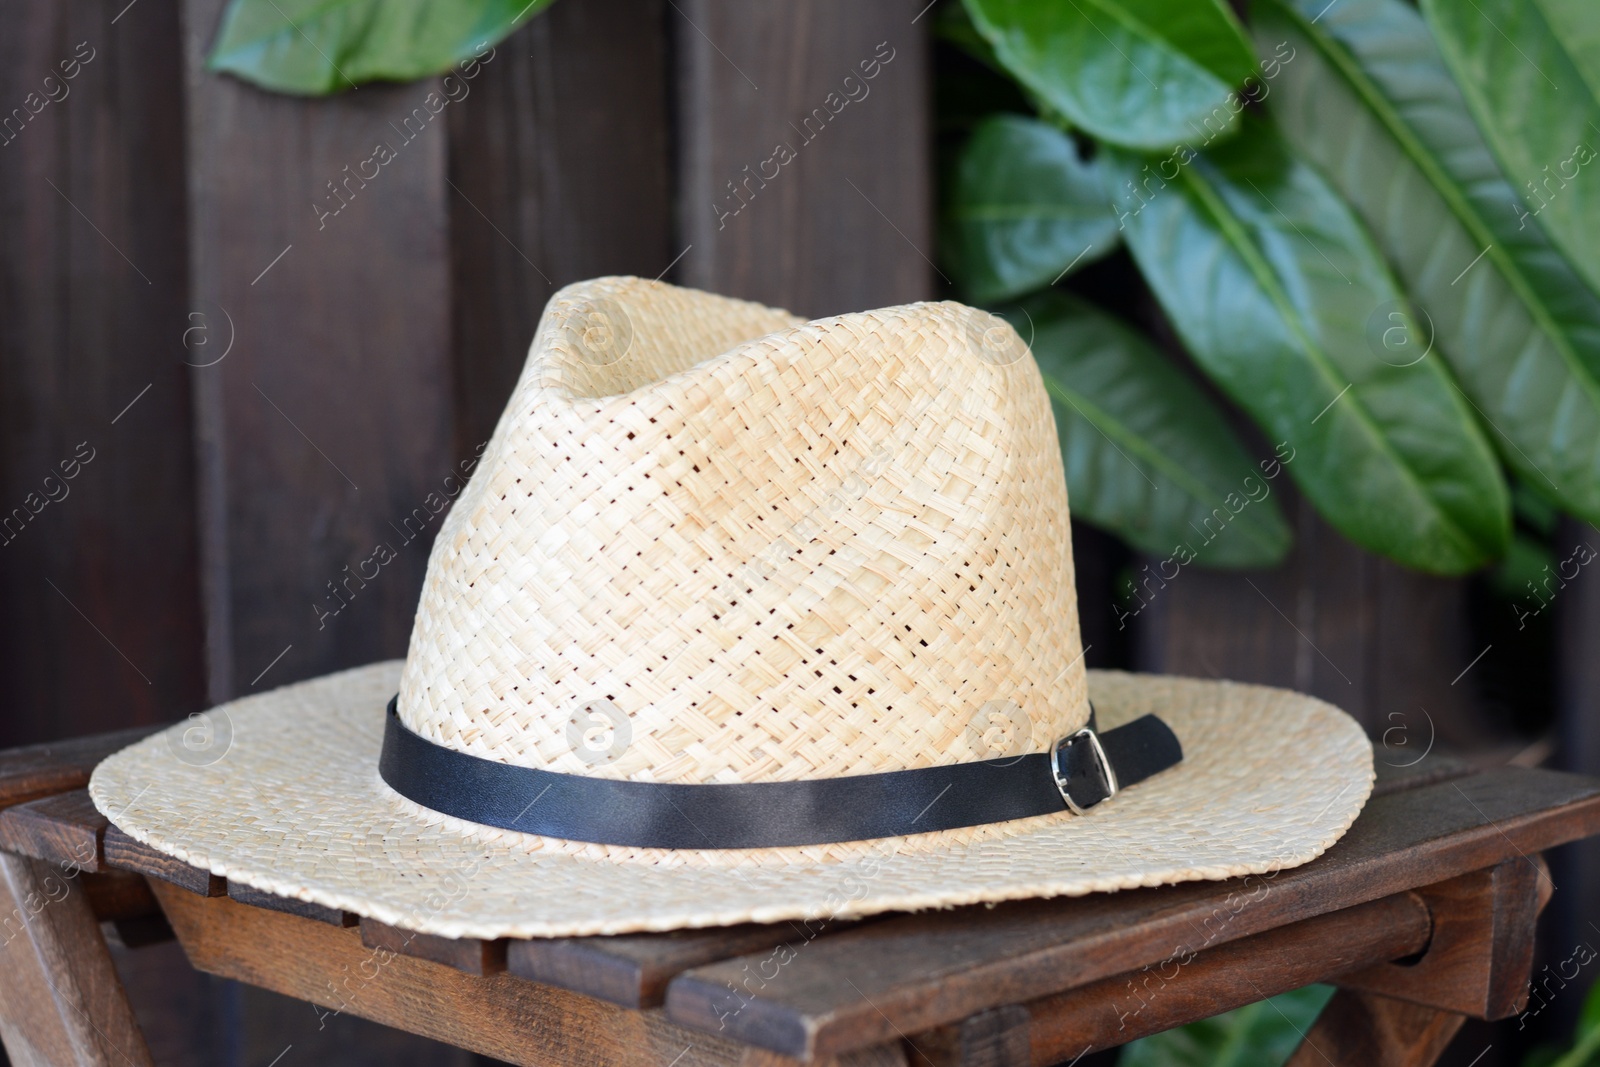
column 1257, row 1035
column 1375, row 231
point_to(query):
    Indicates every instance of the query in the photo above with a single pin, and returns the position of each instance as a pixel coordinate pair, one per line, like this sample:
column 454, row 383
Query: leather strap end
column 1141, row 748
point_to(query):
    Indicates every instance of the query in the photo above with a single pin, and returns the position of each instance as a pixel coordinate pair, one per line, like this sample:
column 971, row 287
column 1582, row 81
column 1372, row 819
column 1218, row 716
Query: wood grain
column 1332, row 621
column 510, row 1018
column 329, row 424
column 1183, row 988
column 124, row 853
column 99, row 604
column 999, row 1037
column 466, row 954
column 891, row 1055
column 258, row 898
column 559, row 170
column 115, row 896
column 633, row 970
column 1393, row 777
column 913, row 973
column 847, row 223
column 43, row 770
column 100, row 624
column 65, row 829
column 1481, row 951
column 1366, row 1030
column 61, row 1004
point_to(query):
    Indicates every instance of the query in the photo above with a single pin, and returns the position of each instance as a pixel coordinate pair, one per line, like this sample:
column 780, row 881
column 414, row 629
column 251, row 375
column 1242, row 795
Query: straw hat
column 745, row 618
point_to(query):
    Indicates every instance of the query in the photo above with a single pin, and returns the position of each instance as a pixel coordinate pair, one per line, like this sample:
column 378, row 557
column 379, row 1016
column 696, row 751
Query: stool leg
column 1368, row 1030
column 61, row 1002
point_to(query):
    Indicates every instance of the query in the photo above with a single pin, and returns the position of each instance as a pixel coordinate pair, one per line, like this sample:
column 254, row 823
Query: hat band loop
column 814, row 811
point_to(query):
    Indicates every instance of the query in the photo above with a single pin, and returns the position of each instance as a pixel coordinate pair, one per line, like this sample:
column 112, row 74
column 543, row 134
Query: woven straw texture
column 779, row 550
column 294, row 806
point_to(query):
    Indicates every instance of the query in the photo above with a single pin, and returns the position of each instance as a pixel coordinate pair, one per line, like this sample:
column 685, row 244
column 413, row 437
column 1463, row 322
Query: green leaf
column 1258, row 1035
column 1146, row 454
column 1530, row 71
column 1522, row 567
column 1141, row 73
column 1271, row 281
column 1589, row 1015
column 1533, row 509
column 1367, row 95
column 1585, row 1048
column 1023, row 209
column 315, row 47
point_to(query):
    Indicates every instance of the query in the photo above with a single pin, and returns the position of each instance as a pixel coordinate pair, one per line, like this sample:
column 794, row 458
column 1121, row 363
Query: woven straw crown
column 709, row 542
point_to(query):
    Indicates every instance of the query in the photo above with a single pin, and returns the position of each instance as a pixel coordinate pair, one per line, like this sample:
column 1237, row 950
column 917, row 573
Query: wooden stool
column 1422, row 915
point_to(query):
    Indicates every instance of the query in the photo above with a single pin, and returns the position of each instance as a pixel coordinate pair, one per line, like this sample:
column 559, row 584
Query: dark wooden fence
column 258, row 368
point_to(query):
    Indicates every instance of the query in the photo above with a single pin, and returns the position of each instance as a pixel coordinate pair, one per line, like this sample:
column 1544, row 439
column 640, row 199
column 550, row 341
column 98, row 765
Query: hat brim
column 285, row 797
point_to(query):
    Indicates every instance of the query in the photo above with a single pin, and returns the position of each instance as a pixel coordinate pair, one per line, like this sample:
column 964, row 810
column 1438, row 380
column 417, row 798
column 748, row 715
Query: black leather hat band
column 1078, row 773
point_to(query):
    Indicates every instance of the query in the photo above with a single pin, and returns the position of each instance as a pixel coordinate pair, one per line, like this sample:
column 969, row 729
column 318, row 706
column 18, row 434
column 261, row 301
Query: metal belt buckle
column 1082, row 772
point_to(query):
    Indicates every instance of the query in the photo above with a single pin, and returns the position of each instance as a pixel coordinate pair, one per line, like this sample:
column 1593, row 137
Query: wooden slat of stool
column 57, row 766
column 914, row 973
column 65, row 829
column 1114, row 1011
column 260, row 898
column 1393, row 777
column 633, row 970
column 123, row 852
column 500, row 1015
column 467, row 954
column 61, row 1003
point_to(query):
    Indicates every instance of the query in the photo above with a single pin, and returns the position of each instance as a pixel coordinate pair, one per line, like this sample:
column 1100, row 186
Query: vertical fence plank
column 1289, row 626
column 1384, row 643
column 98, row 599
column 326, row 431
column 325, row 434
column 560, row 170
column 804, row 182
